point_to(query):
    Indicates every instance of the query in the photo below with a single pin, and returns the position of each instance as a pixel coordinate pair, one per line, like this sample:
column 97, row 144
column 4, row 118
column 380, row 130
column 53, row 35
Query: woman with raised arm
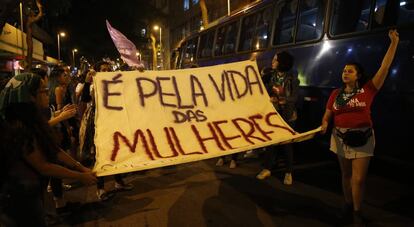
column 352, row 137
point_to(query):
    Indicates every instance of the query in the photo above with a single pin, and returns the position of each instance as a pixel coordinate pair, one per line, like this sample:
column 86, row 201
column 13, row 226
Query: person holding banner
column 29, row 151
column 87, row 131
column 283, row 87
column 352, row 137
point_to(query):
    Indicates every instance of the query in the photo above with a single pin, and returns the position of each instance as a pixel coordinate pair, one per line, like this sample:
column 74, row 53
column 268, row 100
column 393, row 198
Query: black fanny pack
column 355, row 138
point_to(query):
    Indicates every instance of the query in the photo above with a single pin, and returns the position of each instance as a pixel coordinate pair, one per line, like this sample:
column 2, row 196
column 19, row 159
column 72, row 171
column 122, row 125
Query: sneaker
column 249, row 154
column 288, row 179
column 66, row 187
column 232, row 164
column 220, row 162
column 102, row 195
column 265, row 173
column 123, row 186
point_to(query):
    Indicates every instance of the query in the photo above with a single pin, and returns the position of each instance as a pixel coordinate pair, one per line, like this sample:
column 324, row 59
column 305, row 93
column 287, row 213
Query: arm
column 38, row 161
column 86, row 93
column 67, row 112
column 380, row 76
column 325, row 120
column 71, row 163
column 59, row 94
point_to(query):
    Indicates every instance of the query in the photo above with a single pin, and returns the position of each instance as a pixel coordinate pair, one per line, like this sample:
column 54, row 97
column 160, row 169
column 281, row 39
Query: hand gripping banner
column 151, row 119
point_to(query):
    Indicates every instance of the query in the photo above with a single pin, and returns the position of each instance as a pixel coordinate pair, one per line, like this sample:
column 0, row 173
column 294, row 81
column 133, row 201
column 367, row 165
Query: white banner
column 151, row 119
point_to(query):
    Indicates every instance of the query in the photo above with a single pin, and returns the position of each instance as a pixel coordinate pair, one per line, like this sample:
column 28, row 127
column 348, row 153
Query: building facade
column 184, row 17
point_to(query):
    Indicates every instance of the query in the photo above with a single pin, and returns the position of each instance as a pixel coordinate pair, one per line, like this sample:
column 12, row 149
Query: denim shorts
column 348, row 152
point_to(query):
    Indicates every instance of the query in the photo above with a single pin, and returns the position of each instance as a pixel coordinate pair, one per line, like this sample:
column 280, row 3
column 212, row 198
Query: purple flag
column 125, row 47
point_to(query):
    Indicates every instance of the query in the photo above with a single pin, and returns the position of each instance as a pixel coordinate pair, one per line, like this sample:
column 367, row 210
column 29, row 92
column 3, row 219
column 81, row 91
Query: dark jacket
column 290, row 84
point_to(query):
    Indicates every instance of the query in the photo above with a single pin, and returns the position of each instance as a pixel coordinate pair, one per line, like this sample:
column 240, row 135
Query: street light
column 60, row 34
column 156, row 28
column 73, row 55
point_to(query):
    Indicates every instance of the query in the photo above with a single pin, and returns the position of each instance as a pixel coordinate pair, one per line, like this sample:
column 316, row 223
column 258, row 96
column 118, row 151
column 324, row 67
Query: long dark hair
column 285, row 61
column 54, row 83
column 23, row 127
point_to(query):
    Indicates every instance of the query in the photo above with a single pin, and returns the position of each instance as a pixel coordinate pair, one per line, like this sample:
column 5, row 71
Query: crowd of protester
column 49, row 120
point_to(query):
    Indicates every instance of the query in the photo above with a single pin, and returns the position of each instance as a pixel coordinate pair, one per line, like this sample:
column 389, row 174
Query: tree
column 204, row 12
column 31, row 19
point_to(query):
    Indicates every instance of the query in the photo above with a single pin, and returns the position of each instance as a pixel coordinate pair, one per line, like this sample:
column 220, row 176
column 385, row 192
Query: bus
column 323, row 35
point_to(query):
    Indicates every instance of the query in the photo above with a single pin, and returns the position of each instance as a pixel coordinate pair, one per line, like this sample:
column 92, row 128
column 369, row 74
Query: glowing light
column 314, row 24
column 349, row 50
column 325, row 48
column 403, row 3
column 156, row 27
column 257, row 45
column 62, row 34
column 265, row 37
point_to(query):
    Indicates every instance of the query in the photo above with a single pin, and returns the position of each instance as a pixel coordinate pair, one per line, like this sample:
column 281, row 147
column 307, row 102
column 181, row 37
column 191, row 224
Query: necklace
column 343, row 97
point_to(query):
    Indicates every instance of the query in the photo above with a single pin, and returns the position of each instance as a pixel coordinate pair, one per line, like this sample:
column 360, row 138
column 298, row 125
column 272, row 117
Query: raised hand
column 68, row 111
column 394, row 36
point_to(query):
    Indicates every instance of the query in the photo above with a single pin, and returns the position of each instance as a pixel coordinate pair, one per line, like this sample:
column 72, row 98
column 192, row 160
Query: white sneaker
column 66, row 187
column 265, row 173
column 123, row 187
column 233, row 164
column 220, row 162
column 249, row 154
column 288, row 179
column 102, row 195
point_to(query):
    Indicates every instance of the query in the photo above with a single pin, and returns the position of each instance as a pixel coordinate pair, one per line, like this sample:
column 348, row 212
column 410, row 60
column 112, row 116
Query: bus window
column 226, row 39
column 263, row 29
column 189, row 52
column 350, row 16
column 310, row 20
column 221, row 32
column 206, row 44
column 393, row 12
column 231, row 37
column 285, row 21
column 247, row 32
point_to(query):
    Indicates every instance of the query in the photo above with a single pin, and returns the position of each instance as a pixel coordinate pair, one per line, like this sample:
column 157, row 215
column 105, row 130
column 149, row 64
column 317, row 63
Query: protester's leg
column 120, row 183
column 101, row 183
column 270, row 157
column 100, row 192
column 346, row 172
column 269, row 163
column 119, row 178
column 288, row 149
column 359, row 175
column 233, row 163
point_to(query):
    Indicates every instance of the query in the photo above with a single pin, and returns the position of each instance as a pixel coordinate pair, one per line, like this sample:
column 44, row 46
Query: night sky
column 84, row 23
